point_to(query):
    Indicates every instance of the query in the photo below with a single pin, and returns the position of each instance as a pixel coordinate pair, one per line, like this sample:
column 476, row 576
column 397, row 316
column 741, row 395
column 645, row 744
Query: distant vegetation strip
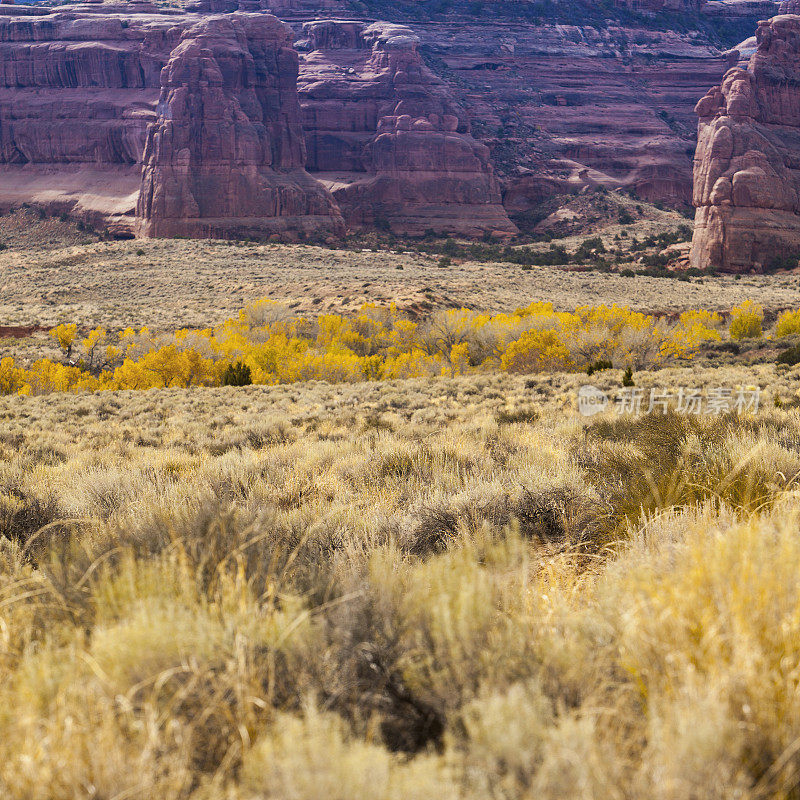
column 266, row 345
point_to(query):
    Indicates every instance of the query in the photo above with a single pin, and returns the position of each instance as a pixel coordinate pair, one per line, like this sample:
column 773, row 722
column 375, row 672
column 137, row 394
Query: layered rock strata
column 567, row 106
column 208, row 104
column 747, row 164
column 387, row 136
column 560, row 107
column 226, row 155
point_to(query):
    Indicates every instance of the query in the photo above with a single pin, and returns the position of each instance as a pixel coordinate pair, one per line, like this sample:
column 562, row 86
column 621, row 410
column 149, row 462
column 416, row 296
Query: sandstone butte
column 190, row 124
column 747, row 165
column 385, row 135
column 225, row 155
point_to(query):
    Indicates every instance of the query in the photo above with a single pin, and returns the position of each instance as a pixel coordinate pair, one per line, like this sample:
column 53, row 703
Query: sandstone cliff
column 747, row 165
column 226, row 155
column 552, row 106
column 90, row 93
column 566, row 106
column 280, row 8
column 385, row 133
column 574, row 93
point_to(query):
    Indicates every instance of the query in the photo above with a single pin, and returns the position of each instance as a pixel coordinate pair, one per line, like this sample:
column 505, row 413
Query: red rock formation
column 661, row 5
column 560, row 106
column 79, row 91
column 747, row 169
column 578, row 104
column 281, row 8
column 385, row 133
column 226, row 156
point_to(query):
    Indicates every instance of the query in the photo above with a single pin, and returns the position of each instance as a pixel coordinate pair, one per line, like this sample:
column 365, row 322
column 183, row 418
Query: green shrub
column 238, row 374
column 627, row 377
column 598, row 366
column 790, row 356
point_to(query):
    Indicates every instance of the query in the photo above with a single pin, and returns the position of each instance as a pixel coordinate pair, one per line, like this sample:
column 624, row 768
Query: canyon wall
column 747, row 165
column 131, row 116
column 77, row 94
column 567, row 106
column 386, row 135
column 207, row 104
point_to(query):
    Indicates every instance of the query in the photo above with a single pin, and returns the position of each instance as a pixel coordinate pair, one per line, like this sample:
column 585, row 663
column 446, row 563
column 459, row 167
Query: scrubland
column 168, row 284
column 452, row 586
column 448, row 584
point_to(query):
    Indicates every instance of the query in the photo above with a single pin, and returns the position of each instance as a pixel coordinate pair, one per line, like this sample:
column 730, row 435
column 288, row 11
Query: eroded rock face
column 281, row 8
column 579, row 105
column 77, row 93
column 662, row 5
column 385, row 133
column 208, row 104
column 561, row 106
column 747, row 164
column 226, row 155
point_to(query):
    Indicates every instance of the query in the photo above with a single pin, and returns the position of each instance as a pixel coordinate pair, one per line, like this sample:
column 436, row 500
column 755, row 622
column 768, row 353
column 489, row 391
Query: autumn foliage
column 377, row 343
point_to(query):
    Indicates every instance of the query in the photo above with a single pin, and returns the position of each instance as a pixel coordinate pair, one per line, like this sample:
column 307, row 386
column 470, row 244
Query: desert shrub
column 560, row 516
column 514, row 415
column 24, row 515
column 788, row 324
column 739, row 720
column 437, row 527
column 656, row 461
column 746, row 321
column 316, row 756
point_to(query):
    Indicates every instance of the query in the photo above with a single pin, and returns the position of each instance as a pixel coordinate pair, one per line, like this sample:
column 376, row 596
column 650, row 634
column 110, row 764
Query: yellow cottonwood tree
column 64, row 335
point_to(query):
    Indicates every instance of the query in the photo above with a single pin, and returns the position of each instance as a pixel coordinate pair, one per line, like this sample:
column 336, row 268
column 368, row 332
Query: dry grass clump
column 665, row 460
column 265, row 593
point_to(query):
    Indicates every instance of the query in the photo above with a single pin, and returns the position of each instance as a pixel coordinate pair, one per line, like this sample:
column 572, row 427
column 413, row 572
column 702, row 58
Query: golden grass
column 450, row 587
